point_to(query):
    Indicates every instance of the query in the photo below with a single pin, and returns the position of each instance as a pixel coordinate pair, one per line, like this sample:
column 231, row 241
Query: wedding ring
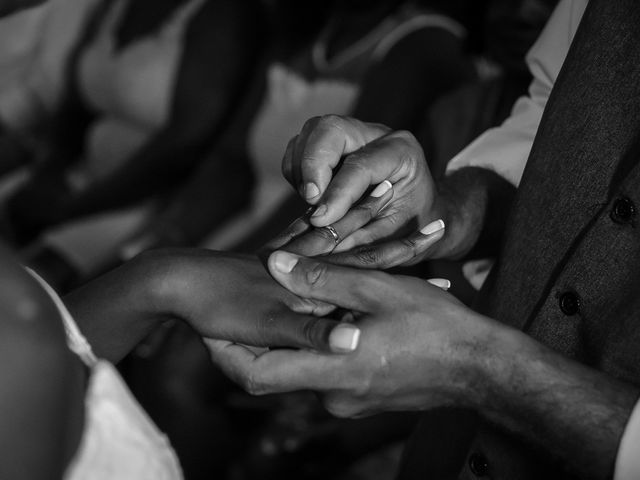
column 334, row 234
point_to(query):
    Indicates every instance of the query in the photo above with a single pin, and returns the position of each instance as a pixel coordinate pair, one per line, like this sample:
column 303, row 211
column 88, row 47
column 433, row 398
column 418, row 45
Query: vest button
column 623, row 210
column 478, row 464
column 569, row 303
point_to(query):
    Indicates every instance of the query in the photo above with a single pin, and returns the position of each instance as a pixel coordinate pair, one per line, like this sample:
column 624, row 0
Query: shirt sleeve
column 505, row 149
column 628, row 461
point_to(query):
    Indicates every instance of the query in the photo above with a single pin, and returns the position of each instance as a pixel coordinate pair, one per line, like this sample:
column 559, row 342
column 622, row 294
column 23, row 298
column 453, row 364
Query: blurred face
column 9, row 6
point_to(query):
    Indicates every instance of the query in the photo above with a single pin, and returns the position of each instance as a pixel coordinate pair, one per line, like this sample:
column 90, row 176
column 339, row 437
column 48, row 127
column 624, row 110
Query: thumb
column 350, row 288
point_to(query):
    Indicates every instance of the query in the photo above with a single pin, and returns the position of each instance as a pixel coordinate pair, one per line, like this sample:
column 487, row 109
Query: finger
column 343, row 287
column 389, row 157
column 392, row 253
column 276, row 371
column 298, row 227
column 323, row 142
column 320, row 241
column 290, row 329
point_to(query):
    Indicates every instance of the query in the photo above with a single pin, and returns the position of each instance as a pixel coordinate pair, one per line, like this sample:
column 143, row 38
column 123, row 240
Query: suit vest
column 568, row 272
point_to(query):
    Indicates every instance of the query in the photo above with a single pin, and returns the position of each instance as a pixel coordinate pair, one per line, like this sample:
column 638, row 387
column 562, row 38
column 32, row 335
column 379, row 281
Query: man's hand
column 418, row 347
column 335, row 161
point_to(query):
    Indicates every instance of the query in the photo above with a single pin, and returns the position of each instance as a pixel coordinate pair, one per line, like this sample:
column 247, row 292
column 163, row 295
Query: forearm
column 560, row 406
column 118, row 310
column 474, row 203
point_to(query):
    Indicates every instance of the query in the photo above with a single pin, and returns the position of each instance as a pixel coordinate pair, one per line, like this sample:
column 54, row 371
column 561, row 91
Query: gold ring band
column 334, row 234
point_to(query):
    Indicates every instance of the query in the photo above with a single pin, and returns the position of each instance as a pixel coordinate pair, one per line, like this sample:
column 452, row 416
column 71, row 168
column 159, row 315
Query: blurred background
column 127, row 125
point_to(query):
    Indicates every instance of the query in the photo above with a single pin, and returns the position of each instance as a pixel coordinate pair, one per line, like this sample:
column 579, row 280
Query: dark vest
column 568, row 272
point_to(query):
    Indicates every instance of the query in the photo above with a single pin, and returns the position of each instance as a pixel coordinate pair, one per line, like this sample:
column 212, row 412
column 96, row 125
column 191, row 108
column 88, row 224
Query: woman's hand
column 420, row 347
column 227, row 296
column 220, row 295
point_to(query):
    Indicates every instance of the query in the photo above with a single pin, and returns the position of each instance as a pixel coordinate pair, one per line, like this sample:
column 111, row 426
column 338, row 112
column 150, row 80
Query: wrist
column 462, row 212
column 158, row 278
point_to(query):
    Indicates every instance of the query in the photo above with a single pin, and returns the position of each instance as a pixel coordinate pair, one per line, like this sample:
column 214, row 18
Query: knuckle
column 405, row 136
column 317, row 276
column 365, row 212
column 253, row 385
column 311, row 123
column 314, row 333
column 409, row 247
column 330, row 121
column 368, row 255
column 356, row 162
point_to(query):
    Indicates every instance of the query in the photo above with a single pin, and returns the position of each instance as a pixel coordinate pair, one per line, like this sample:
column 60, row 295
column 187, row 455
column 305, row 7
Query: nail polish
column 433, row 227
column 381, row 189
column 311, row 190
column 344, row 338
column 442, row 283
column 284, row 262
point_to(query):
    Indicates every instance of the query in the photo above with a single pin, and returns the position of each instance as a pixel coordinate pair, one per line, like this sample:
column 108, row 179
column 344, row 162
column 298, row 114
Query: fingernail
column 344, row 338
column 311, row 190
column 433, row 227
column 381, row 189
column 320, row 211
column 284, row 261
column 442, row 283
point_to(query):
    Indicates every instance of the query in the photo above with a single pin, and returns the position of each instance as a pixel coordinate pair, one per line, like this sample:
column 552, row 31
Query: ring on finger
column 334, row 233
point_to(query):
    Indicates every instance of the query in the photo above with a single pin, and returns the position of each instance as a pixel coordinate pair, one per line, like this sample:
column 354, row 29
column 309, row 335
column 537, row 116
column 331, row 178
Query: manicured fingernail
column 344, row 338
column 432, row 228
column 311, row 190
column 381, row 189
column 442, row 283
column 320, row 211
column 284, row 261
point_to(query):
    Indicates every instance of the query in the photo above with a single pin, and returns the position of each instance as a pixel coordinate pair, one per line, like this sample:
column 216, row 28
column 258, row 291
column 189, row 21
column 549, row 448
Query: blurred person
column 147, row 104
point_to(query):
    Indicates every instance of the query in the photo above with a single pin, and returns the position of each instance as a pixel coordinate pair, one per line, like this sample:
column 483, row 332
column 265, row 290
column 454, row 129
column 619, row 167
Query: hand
column 232, row 297
column 419, row 347
column 221, row 296
column 304, row 239
column 334, row 161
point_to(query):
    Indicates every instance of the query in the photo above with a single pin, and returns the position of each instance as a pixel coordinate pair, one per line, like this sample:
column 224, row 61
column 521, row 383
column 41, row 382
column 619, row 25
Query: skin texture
column 421, row 348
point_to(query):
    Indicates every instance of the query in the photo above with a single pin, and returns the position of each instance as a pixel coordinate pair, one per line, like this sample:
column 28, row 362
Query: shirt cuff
column 628, row 461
